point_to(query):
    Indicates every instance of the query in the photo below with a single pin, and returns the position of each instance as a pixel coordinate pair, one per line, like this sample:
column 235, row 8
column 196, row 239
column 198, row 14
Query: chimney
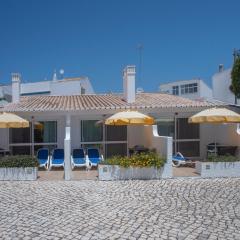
column 16, row 81
column 129, row 73
column 220, row 68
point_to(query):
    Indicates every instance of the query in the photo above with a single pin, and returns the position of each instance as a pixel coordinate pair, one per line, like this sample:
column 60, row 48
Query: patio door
column 115, row 141
column 186, row 137
column 110, row 140
column 27, row 141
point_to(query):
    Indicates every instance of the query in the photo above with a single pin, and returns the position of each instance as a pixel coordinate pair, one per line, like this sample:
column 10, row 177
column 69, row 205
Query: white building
column 50, row 116
column 221, row 82
column 195, row 89
column 63, row 87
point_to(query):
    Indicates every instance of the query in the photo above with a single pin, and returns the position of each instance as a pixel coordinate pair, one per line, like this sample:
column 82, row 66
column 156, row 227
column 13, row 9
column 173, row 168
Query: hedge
column 225, row 158
column 150, row 159
column 18, row 161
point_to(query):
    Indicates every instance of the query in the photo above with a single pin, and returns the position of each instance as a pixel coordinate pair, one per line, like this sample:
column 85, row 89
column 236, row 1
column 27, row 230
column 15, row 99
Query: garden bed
column 145, row 166
column 13, row 168
column 219, row 166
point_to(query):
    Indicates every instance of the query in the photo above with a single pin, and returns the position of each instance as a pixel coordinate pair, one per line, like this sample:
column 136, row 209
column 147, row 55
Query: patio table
column 222, row 149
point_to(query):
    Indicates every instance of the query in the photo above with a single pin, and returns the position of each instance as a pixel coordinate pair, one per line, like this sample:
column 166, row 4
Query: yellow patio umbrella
column 129, row 118
column 10, row 120
column 215, row 115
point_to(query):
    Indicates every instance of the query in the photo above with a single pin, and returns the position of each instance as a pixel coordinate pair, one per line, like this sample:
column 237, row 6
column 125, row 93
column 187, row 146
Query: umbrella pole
column 215, row 142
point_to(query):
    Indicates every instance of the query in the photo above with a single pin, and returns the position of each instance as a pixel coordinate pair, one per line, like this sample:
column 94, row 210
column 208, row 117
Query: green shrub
column 18, row 161
column 137, row 160
column 225, row 158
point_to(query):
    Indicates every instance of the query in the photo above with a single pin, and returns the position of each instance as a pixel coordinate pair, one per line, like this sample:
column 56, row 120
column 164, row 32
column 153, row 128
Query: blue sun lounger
column 57, row 159
column 43, row 157
column 93, row 156
column 78, row 158
column 178, row 159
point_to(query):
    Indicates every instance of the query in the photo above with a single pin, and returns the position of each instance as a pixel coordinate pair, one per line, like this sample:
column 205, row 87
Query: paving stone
column 167, row 209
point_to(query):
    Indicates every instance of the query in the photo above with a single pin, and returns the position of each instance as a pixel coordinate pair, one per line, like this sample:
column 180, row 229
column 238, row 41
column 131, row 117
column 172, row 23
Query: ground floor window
column 188, row 148
column 20, row 150
column 186, row 136
column 166, row 127
column 27, row 141
column 45, row 132
column 119, row 149
column 110, row 140
column 91, row 131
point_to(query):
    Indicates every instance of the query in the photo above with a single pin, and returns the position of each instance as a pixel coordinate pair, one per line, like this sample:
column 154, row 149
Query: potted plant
column 18, row 167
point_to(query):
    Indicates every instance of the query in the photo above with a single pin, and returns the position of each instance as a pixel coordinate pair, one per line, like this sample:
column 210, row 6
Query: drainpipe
column 67, row 149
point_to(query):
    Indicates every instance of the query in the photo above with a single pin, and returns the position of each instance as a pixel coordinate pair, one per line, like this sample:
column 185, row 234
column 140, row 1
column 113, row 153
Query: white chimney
column 16, row 81
column 129, row 73
column 220, row 68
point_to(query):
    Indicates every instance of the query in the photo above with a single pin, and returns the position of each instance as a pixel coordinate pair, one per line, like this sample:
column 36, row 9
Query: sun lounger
column 57, row 159
column 43, row 157
column 78, row 158
column 93, row 156
column 178, row 159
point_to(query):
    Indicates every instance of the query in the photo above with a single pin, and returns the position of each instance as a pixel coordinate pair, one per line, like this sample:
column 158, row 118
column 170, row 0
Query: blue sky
column 181, row 39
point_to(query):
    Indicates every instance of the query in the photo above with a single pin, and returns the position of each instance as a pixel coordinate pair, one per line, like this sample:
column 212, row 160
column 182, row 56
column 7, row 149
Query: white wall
column 221, row 82
column 204, row 91
column 59, row 87
column 43, row 86
column 138, row 135
column 224, row 134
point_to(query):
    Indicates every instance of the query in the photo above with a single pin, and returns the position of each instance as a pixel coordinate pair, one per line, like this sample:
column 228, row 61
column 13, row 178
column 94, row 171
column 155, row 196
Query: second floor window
column 189, row 88
column 175, row 90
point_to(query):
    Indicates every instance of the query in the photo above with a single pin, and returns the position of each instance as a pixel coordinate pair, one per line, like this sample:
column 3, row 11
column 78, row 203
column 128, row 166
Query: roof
column 180, row 81
column 3, row 102
column 102, row 101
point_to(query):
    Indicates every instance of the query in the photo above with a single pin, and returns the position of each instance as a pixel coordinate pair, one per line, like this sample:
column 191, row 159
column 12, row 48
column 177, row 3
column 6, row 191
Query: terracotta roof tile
column 104, row 101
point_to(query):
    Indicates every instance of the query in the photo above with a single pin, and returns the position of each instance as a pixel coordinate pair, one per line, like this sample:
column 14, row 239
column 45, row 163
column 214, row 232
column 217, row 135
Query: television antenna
column 140, row 52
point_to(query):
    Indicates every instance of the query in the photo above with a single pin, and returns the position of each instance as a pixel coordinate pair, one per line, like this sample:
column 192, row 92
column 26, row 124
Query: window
column 20, row 135
column 189, row 148
column 175, row 90
column 83, row 90
column 20, row 150
column 45, row 132
column 187, row 130
column 116, row 133
column 165, row 127
column 189, row 88
column 91, row 131
column 22, row 141
column 110, row 140
column 119, row 149
column 186, row 136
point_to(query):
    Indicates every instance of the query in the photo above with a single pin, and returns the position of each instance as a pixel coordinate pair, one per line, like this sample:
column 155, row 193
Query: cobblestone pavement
column 167, row 209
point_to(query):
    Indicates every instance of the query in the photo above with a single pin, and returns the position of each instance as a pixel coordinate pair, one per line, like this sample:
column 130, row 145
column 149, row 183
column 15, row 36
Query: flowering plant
column 150, row 159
